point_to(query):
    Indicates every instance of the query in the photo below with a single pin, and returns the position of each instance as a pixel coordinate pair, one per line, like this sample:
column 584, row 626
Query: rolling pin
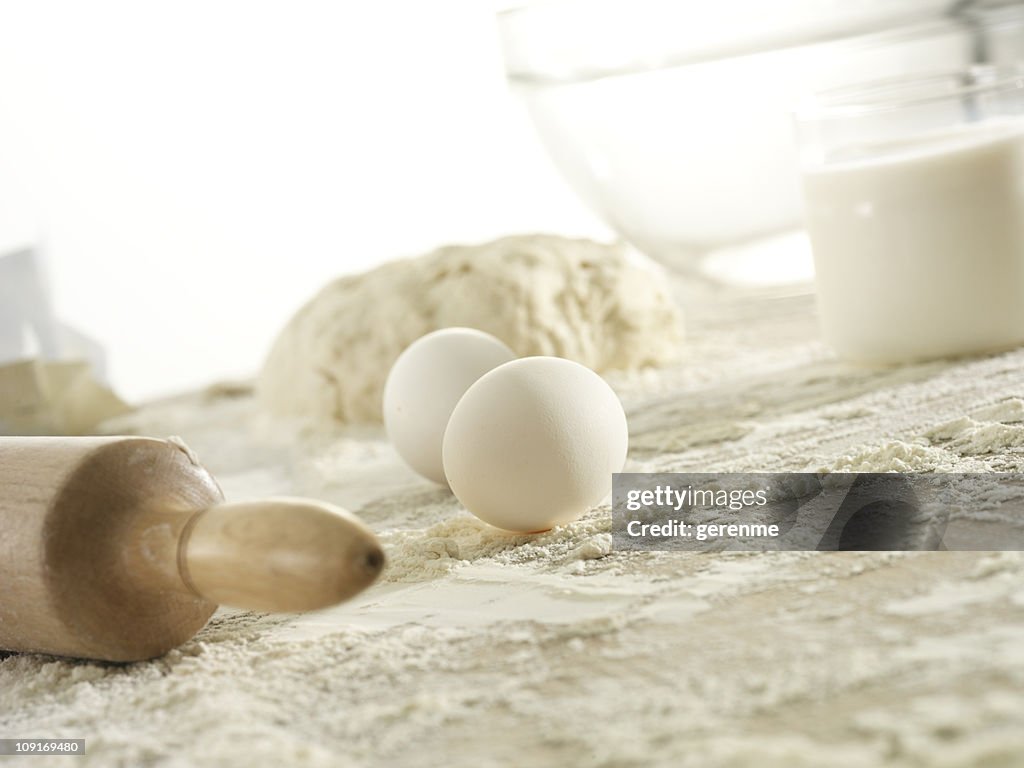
column 120, row 548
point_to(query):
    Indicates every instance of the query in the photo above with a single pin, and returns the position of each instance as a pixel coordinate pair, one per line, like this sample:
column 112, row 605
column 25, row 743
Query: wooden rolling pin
column 120, row 548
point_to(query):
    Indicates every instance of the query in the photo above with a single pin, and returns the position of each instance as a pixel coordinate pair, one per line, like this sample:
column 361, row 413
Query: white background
column 197, row 170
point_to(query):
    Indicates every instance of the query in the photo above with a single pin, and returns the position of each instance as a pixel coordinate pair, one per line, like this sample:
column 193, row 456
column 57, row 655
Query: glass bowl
column 672, row 121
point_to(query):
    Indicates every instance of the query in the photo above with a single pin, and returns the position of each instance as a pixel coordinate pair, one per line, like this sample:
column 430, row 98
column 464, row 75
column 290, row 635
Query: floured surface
column 484, row 648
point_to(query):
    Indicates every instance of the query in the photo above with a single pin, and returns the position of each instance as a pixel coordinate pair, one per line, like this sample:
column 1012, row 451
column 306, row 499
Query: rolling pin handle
column 282, row 555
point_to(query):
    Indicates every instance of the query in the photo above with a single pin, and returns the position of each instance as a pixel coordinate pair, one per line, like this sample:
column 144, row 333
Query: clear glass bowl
column 672, row 120
column 1001, row 30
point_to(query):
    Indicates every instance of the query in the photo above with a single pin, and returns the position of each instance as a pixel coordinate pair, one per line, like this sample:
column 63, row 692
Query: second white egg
column 533, row 444
column 424, row 385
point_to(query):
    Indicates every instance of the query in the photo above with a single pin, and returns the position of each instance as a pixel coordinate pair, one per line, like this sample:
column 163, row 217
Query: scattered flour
column 893, row 456
column 987, row 430
column 460, row 539
column 481, row 647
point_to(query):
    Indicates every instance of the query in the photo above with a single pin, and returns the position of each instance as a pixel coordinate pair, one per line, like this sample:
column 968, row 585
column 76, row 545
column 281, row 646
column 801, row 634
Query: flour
column 481, row 647
column 462, row 539
column 894, row 456
column 988, row 430
column 600, row 305
column 950, row 446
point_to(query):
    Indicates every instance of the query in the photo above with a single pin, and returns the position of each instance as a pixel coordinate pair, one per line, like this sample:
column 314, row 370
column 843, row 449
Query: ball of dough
column 601, row 305
column 424, row 385
column 533, row 444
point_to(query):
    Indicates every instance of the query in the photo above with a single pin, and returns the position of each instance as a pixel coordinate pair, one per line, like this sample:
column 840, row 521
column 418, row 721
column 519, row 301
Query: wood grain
column 118, row 548
column 279, row 555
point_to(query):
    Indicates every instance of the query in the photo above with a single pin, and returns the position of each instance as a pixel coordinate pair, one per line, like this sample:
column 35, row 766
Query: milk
column 919, row 249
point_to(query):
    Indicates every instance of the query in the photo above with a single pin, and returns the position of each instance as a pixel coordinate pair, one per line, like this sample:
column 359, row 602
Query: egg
column 534, row 442
column 424, row 385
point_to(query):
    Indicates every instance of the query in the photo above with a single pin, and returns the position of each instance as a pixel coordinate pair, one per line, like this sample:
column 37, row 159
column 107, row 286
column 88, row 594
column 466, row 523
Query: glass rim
column 906, row 91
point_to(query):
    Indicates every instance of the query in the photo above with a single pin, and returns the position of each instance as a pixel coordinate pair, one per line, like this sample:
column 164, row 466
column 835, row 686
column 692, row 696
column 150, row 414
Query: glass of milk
column 914, row 195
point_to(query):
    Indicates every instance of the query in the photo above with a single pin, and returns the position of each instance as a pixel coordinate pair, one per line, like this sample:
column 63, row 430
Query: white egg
column 533, row 444
column 424, row 385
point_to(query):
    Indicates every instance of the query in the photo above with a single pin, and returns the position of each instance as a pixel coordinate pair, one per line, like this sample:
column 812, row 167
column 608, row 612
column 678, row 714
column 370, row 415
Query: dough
column 601, row 305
